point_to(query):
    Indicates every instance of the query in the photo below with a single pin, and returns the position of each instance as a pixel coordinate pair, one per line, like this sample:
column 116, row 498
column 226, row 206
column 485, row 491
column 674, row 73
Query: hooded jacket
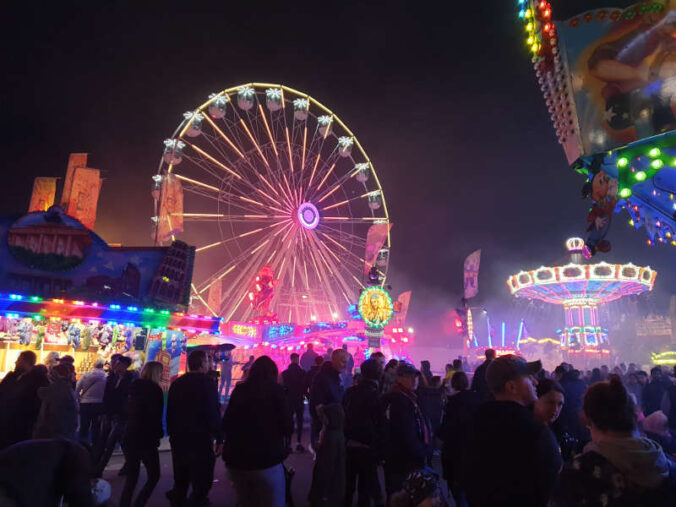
column 618, row 472
column 58, row 413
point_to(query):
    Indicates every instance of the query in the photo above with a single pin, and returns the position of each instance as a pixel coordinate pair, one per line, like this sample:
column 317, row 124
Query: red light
column 547, row 27
column 546, row 13
column 542, row 5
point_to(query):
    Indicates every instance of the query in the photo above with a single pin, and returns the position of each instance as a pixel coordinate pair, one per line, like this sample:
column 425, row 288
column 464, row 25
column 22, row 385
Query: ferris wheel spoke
column 322, row 171
column 222, row 217
column 332, row 266
column 235, row 238
column 357, row 220
column 224, row 137
column 346, row 201
column 212, row 159
column 267, row 129
column 206, row 305
column 221, row 196
column 326, row 176
column 228, row 268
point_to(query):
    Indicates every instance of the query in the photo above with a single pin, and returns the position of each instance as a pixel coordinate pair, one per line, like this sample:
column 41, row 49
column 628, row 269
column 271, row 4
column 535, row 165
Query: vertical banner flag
column 75, row 161
column 84, row 196
column 171, row 208
column 375, row 239
column 472, row 274
column 44, row 192
column 404, row 299
column 214, row 298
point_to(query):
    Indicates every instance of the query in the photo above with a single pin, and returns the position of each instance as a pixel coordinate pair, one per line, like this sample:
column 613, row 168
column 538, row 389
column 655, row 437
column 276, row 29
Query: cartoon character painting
column 603, row 190
column 25, row 331
column 74, row 336
column 632, row 69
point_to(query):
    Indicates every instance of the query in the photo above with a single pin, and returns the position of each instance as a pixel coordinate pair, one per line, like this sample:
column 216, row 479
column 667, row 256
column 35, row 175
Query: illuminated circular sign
column 308, row 215
column 375, row 307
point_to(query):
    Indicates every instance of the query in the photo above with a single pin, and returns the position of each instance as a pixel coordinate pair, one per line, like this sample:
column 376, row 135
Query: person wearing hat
column 510, row 457
column 407, row 430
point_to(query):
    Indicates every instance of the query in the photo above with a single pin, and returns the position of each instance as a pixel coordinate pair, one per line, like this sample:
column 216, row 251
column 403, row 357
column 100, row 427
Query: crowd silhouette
column 509, row 433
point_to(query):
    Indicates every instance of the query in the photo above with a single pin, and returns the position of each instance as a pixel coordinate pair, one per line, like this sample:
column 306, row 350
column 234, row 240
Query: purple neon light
column 308, row 215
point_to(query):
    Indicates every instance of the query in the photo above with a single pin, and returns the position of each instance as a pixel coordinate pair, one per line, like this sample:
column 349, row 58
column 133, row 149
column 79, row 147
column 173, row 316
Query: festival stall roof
column 51, row 255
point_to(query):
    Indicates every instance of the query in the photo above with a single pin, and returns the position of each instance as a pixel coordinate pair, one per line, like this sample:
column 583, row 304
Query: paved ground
column 222, row 493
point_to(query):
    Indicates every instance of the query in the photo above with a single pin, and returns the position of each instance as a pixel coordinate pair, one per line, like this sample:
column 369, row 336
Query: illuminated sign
column 247, row 330
column 375, row 307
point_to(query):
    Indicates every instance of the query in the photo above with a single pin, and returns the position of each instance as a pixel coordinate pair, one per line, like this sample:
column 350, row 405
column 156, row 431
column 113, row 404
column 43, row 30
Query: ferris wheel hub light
column 308, row 215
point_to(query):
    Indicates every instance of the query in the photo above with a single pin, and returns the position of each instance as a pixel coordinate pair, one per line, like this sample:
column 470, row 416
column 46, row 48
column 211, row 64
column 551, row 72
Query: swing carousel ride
column 580, row 288
column 286, row 212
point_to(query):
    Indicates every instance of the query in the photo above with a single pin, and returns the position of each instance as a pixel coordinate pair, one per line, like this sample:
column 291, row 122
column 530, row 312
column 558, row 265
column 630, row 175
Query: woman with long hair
column 143, row 433
column 257, row 426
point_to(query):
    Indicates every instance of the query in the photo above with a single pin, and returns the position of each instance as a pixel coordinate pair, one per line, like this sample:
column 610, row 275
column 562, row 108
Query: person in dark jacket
column 315, row 425
column 45, row 472
column 143, row 433
column 668, row 405
column 115, row 398
column 508, row 444
column 454, row 430
column 653, row 392
column 346, row 376
column 571, row 413
column 58, row 412
column 19, row 400
column 309, row 358
column 225, row 363
column 364, row 427
column 387, row 380
column 295, row 382
column 193, row 423
column 326, row 388
column 328, row 475
column 617, row 467
column 431, row 401
column 258, row 426
column 426, row 372
column 479, row 384
column 408, row 433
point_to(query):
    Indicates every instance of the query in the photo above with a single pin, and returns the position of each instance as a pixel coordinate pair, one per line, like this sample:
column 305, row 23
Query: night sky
column 443, row 99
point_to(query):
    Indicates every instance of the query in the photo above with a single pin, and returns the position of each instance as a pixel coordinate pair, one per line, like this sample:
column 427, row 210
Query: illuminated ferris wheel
column 268, row 176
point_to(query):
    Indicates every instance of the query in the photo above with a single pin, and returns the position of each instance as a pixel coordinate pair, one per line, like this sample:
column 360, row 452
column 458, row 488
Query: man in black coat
column 19, row 401
column 326, row 388
column 653, row 392
column 408, row 435
column 570, row 418
column 364, row 428
column 193, row 423
column 115, row 399
column 509, row 457
column 295, row 381
column 479, row 384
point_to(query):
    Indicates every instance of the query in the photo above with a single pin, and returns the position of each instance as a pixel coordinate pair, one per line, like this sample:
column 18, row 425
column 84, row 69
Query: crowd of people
column 513, row 435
